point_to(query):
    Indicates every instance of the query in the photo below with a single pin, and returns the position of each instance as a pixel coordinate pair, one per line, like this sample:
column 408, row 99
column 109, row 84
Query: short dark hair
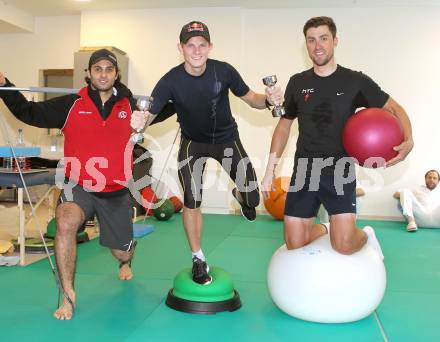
column 428, row 172
column 320, row 21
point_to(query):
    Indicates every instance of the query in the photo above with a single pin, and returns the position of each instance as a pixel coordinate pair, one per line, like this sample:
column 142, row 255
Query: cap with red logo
column 194, row 29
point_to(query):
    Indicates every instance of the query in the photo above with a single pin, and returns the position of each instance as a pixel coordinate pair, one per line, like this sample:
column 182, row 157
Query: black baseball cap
column 101, row 54
column 194, row 29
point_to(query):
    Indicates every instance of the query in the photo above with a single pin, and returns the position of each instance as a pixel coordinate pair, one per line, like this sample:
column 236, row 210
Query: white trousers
column 424, row 217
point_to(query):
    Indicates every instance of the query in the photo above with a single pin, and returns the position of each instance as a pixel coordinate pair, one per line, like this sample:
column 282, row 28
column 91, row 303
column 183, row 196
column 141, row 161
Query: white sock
column 199, row 255
column 372, row 240
column 327, row 226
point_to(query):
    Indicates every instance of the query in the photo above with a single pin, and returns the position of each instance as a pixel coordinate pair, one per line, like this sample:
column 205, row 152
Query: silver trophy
column 278, row 110
column 143, row 104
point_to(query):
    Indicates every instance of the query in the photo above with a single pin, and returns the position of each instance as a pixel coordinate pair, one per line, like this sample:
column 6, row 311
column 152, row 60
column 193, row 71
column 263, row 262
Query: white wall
column 23, row 55
column 150, row 39
column 397, row 47
column 14, row 20
column 389, row 44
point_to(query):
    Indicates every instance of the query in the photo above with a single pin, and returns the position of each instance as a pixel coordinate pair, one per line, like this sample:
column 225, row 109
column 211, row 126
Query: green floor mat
column 411, row 316
column 113, row 310
column 106, row 309
column 257, row 320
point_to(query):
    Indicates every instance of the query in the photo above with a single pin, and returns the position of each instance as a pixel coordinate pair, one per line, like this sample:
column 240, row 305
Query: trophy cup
column 143, row 104
column 278, row 110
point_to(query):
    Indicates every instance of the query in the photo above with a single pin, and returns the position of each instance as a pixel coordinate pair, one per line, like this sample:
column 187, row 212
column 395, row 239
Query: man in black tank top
column 323, row 98
column 199, row 89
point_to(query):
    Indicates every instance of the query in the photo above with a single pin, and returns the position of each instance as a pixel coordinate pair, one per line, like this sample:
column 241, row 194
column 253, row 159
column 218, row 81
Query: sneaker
column 411, row 227
column 248, row 212
column 200, row 272
column 372, row 240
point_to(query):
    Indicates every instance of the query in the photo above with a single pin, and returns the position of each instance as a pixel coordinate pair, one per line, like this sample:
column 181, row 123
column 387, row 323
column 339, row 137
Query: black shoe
column 248, row 212
column 200, row 272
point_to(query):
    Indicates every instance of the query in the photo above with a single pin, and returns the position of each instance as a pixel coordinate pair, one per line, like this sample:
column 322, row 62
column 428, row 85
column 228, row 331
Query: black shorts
column 305, row 202
column 234, row 160
column 114, row 214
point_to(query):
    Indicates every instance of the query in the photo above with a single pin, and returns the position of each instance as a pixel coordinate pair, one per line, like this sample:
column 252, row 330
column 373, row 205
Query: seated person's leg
column 415, row 213
column 407, row 200
column 422, row 215
column 435, row 218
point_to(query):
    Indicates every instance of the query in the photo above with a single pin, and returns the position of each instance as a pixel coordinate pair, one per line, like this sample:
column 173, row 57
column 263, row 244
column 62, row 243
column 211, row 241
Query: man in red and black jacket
column 97, row 124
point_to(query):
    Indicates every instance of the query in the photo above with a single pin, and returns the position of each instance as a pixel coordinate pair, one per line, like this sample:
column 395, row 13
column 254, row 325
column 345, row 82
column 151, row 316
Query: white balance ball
column 316, row 283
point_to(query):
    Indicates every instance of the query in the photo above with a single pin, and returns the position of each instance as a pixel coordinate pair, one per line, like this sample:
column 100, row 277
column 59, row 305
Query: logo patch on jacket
column 122, row 115
column 84, row 112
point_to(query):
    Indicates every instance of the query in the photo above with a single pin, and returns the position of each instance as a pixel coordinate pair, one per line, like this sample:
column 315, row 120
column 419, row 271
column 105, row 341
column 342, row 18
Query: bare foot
column 65, row 311
column 125, row 272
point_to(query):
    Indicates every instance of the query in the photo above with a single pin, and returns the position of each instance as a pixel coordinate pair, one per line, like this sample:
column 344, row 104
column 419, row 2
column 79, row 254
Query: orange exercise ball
column 177, row 203
column 276, row 200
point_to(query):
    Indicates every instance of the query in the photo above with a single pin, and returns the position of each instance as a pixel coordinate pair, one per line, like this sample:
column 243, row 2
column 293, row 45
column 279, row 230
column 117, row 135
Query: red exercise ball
column 276, row 201
column 372, row 132
column 148, row 200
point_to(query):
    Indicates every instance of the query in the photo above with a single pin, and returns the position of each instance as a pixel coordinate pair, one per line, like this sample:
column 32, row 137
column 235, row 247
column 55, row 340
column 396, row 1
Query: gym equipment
column 143, row 104
column 177, row 203
column 50, row 90
column 372, row 133
column 316, row 283
column 276, row 201
column 51, row 232
column 164, row 211
column 6, row 247
column 188, row 296
column 141, row 229
column 10, row 260
column 148, row 199
column 36, row 245
column 82, row 236
column 278, row 110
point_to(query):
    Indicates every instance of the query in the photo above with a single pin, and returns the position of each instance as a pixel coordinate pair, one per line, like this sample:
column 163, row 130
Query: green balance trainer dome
column 188, row 296
column 220, row 289
column 51, row 232
column 51, row 229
